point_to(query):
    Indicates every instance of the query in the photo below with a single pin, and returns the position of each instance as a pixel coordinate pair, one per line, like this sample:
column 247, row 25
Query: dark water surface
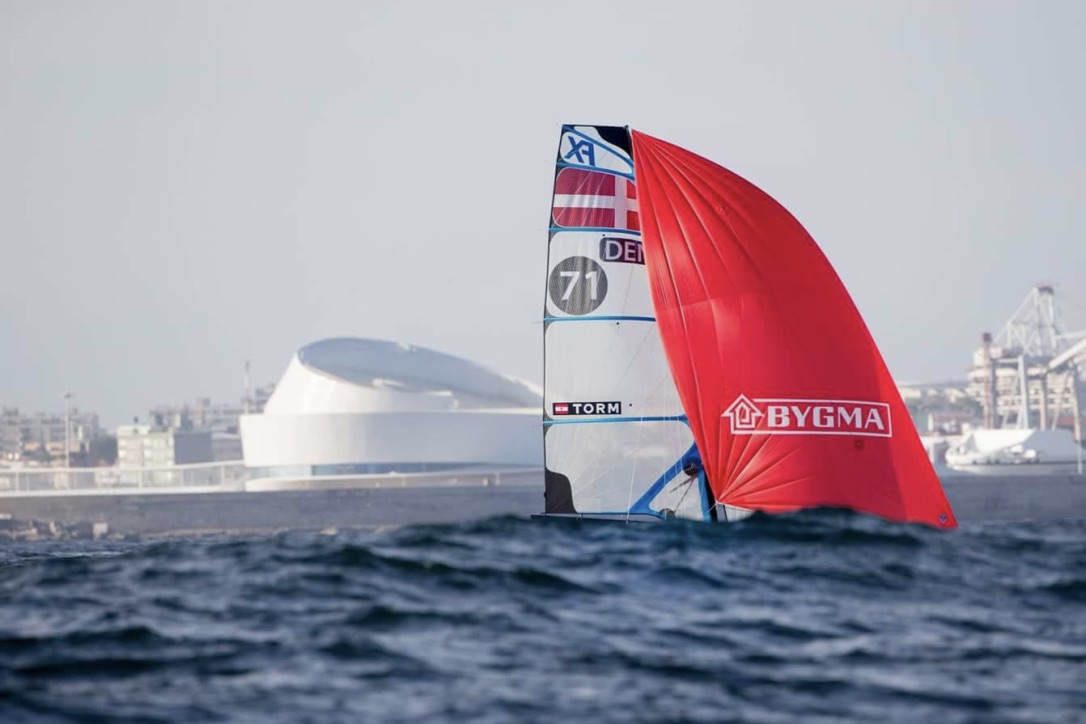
column 822, row 616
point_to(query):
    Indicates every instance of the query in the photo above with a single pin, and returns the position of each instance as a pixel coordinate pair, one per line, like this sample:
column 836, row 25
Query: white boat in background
column 1014, row 451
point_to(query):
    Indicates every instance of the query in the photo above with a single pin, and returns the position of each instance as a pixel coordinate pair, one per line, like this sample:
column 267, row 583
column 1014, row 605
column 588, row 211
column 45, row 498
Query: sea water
column 820, row 616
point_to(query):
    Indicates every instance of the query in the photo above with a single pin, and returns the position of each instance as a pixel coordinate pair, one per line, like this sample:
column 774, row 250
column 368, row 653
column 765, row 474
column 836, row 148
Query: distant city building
column 40, row 436
column 225, row 446
column 203, row 414
column 940, row 407
column 259, row 399
column 147, row 446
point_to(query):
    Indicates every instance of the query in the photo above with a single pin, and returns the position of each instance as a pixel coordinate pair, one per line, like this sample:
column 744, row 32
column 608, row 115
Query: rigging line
column 661, row 483
column 584, row 462
column 633, row 474
column 613, row 347
column 629, row 286
column 644, row 342
column 688, row 485
column 633, row 357
column 640, row 430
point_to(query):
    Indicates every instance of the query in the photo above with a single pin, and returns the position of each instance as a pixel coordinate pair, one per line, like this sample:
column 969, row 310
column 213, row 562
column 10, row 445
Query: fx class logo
column 782, row 416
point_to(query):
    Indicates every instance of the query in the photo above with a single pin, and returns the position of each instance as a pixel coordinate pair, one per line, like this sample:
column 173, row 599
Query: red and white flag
column 584, row 198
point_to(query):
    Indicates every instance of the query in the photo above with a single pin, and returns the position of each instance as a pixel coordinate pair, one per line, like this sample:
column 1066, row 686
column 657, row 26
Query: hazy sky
column 187, row 185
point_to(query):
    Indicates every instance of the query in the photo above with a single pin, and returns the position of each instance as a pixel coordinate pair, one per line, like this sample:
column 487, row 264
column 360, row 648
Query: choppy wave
column 821, row 616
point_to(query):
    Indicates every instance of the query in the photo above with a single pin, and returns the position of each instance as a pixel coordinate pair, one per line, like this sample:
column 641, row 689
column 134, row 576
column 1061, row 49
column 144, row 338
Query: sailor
column 693, row 468
column 692, row 464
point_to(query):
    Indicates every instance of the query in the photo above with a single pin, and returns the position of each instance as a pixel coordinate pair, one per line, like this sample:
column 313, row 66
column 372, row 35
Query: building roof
column 347, row 374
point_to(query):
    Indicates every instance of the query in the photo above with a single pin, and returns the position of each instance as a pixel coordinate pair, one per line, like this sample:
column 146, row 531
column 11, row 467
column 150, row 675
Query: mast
column 1028, row 373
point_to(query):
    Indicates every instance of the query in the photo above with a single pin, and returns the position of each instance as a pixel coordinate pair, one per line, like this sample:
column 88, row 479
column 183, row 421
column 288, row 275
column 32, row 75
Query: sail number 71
column 574, row 277
column 577, row 285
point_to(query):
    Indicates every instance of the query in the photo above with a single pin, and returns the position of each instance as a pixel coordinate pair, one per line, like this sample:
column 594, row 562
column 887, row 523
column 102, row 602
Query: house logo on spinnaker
column 785, row 416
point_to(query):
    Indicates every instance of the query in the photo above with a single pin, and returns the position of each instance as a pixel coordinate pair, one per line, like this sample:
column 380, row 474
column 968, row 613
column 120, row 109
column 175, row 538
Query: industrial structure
column 48, row 437
column 1030, row 374
column 1028, row 380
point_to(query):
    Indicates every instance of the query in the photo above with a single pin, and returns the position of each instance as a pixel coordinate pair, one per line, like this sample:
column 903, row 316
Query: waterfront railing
column 228, row 474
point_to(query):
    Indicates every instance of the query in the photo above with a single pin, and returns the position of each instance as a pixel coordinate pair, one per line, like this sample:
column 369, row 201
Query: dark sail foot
column 558, row 493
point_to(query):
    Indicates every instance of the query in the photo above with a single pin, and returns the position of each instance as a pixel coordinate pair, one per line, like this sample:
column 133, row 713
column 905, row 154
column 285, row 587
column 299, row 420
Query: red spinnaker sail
column 789, row 400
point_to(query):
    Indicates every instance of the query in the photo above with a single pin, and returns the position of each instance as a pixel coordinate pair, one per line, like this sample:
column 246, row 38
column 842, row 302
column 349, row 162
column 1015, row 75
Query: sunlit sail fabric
column 789, row 400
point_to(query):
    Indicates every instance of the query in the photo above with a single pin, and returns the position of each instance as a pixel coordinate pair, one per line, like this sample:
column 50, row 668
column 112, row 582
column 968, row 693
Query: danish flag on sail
column 584, row 198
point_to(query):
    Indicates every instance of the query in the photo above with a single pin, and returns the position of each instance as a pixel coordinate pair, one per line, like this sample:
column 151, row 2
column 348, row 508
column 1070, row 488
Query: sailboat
column 702, row 359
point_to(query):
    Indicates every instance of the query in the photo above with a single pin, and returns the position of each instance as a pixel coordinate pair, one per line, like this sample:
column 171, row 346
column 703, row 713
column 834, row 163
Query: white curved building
column 351, row 406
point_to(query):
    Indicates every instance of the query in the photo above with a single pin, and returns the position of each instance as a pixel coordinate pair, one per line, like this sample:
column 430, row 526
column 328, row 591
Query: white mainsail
column 615, row 434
